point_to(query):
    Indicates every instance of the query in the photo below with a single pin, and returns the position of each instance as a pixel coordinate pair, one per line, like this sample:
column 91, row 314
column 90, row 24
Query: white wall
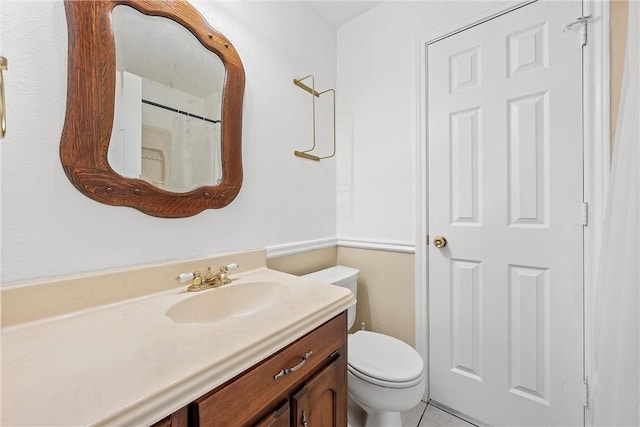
column 50, row 229
column 379, row 104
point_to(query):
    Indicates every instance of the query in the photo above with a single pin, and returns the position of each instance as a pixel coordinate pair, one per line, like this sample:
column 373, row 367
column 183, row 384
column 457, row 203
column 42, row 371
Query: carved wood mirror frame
column 90, row 111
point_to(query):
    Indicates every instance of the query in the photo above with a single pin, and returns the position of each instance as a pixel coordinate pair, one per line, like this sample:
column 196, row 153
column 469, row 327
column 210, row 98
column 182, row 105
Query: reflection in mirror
column 168, row 100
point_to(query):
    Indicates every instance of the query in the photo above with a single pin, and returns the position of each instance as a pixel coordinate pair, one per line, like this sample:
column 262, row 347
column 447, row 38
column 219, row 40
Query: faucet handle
column 183, row 277
column 223, row 276
column 195, row 277
column 231, row 267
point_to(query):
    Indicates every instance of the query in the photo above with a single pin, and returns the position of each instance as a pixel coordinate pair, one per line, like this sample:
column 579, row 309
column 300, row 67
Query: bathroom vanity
column 268, row 349
column 313, row 391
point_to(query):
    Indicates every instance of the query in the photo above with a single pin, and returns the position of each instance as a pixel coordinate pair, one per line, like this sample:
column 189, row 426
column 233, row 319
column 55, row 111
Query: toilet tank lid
column 338, row 275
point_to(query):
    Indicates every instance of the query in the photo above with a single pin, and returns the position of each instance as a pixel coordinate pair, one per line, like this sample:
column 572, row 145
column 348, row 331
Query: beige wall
column 386, row 295
column 385, row 286
column 306, row 262
column 619, row 17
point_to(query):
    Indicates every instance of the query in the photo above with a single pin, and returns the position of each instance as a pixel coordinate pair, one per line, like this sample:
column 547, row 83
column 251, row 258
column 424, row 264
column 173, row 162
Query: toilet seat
column 383, row 360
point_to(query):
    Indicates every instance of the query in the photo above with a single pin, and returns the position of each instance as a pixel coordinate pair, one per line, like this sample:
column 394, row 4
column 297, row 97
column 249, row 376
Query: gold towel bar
column 305, row 87
column 315, row 94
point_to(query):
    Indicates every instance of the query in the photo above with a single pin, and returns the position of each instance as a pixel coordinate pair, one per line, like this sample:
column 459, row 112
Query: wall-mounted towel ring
column 3, row 115
column 315, row 94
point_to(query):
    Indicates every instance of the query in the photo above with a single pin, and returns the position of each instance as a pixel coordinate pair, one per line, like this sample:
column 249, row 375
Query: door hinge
column 585, row 393
column 585, row 214
column 583, row 21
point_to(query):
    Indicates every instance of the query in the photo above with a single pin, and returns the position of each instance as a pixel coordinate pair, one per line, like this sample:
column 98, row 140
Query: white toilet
column 385, row 375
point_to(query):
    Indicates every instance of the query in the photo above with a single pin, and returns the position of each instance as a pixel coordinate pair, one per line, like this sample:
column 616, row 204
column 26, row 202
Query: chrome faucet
column 210, row 280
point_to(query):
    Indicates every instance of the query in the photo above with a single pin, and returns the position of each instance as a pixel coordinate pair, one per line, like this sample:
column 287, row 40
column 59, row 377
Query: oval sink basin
column 227, row 302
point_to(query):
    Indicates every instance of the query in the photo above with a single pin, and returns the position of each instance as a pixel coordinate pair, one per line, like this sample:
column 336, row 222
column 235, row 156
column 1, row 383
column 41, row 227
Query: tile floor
column 425, row 415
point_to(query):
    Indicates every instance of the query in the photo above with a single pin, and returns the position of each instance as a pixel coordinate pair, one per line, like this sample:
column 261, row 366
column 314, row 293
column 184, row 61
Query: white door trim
column 596, row 128
column 597, row 160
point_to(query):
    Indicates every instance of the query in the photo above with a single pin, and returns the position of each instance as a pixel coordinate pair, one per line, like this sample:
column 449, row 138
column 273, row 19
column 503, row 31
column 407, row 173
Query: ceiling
column 339, row 12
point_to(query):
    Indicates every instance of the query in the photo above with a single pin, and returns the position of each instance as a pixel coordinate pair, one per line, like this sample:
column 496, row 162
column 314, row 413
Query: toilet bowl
column 385, row 375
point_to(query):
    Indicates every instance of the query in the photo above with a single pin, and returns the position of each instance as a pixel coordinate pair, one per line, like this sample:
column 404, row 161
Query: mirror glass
column 167, row 120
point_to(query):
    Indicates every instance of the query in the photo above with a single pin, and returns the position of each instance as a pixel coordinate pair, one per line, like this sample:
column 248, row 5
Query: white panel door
column 505, row 190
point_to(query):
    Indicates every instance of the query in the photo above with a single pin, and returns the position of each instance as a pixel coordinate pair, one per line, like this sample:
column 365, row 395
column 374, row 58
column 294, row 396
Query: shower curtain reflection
column 165, row 136
column 195, row 159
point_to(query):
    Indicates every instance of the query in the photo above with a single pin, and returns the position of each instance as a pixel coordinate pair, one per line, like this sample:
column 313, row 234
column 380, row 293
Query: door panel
column 322, row 401
column 505, row 189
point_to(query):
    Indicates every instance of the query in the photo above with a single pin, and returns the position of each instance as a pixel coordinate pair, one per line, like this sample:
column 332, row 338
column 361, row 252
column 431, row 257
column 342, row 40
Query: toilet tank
column 340, row 276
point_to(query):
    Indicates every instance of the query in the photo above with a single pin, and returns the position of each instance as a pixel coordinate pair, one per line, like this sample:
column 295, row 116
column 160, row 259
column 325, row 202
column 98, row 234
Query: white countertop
column 130, row 364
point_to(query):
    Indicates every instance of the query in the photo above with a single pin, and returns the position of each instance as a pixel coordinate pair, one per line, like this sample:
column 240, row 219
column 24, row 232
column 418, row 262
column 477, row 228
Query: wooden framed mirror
column 167, row 180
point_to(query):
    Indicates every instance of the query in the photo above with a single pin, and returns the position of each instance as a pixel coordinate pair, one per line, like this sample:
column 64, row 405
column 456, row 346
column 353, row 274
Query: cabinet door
column 278, row 418
column 322, row 401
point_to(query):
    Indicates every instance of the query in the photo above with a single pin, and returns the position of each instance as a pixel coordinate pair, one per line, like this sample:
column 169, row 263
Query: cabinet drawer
column 255, row 391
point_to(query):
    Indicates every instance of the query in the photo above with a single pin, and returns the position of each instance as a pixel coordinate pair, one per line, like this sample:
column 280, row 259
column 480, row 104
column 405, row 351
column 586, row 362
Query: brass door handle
column 439, row 242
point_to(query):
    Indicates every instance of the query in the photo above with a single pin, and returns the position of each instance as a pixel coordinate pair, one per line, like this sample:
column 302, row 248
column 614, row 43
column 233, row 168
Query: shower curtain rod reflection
column 175, row 110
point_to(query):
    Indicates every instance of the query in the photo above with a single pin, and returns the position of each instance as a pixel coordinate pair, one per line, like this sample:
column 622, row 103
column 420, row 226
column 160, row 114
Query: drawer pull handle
column 286, row 371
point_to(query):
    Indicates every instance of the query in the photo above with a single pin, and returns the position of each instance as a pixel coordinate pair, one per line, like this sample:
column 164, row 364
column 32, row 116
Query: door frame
column 596, row 162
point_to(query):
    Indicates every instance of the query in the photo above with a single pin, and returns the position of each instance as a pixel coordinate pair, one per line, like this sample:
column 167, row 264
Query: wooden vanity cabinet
column 180, row 418
column 281, row 417
column 314, row 393
column 319, row 401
